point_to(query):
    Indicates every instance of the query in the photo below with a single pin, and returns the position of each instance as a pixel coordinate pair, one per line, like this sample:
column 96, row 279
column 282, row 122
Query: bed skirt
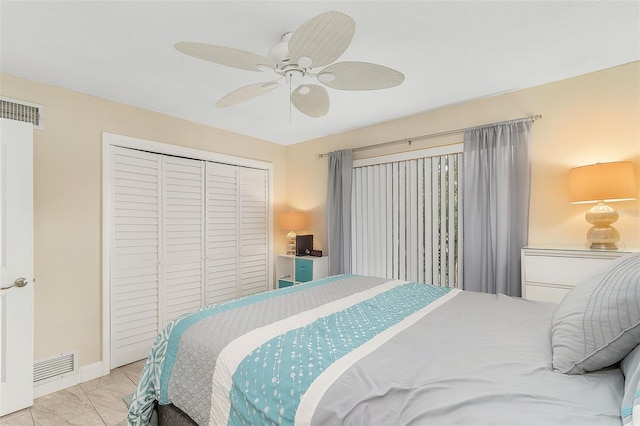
column 170, row 415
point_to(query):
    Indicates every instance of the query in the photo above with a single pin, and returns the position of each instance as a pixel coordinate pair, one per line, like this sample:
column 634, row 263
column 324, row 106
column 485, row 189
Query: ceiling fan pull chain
column 290, row 100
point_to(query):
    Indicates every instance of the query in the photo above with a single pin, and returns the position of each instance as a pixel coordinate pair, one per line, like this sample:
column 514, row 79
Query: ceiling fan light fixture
column 326, row 77
column 294, row 76
column 304, row 62
column 304, row 90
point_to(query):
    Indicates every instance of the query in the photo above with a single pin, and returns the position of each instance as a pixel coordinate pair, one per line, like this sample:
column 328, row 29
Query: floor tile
column 134, row 370
column 114, row 377
column 94, row 403
column 90, row 418
column 57, row 408
column 19, row 418
column 107, row 400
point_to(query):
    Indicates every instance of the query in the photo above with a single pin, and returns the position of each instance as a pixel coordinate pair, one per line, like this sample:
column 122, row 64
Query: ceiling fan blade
column 311, row 99
column 223, row 55
column 246, row 93
column 322, row 39
column 359, row 76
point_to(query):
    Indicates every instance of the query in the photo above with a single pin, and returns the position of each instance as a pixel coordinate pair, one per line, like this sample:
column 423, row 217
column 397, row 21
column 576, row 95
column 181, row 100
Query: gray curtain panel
column 497, row 181
column 339, row 211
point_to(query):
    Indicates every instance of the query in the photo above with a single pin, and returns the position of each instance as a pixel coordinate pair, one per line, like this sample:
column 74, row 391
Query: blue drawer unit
column 284, row 283
column 294, row 270
column 304, row 270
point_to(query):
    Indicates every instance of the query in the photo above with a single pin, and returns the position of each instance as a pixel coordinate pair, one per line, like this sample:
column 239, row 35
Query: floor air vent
column 15, row 109
column 55, row 367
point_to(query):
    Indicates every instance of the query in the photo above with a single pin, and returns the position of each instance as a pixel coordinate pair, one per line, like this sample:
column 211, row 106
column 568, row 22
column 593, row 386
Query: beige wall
column 68, row 202
column 587, row 119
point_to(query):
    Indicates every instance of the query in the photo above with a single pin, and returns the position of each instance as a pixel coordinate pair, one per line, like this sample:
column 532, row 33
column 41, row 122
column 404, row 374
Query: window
column 407, row 216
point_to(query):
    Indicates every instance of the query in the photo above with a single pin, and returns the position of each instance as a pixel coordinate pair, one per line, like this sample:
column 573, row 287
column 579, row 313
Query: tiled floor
column 96, row 402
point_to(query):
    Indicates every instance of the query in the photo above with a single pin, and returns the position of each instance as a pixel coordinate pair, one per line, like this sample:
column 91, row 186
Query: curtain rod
column 431, row 135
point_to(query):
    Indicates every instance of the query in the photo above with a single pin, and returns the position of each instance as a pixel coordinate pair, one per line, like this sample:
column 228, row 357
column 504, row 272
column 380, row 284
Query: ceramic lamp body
column 291, row 243
column 602, row 235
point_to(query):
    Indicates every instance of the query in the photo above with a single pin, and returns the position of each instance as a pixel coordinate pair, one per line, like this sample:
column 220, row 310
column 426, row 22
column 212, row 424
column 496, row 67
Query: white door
column 182, row 288
column 135, row 247
column 16, row 265
column 222, row 232
column 254, row 231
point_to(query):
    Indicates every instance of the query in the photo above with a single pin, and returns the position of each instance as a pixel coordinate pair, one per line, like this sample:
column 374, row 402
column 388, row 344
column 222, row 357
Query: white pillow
column 598, row 322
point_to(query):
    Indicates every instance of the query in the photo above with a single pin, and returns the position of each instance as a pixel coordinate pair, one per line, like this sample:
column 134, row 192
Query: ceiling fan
column 316, row 44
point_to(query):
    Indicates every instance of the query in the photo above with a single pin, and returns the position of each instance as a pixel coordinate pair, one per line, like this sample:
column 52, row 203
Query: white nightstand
column 292, row 270
column 549, row 272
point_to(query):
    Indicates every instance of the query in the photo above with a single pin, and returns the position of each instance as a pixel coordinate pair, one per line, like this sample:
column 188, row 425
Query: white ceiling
column 449, row 52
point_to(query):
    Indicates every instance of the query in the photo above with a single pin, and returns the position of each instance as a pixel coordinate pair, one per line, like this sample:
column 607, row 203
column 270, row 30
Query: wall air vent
column 15, row 109
column 55, row 367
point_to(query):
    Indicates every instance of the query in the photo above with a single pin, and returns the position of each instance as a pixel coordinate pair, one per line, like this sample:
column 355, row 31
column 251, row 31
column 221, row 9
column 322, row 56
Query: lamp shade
column 293, row 221
column 602, row 182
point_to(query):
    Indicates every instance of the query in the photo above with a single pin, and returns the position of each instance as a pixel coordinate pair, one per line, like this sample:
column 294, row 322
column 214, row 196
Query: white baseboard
column 91, row 372
column 86, row 373
column 55, row 385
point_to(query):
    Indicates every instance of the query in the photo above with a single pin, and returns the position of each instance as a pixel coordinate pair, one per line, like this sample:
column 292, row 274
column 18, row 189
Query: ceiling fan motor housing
column 279, row 54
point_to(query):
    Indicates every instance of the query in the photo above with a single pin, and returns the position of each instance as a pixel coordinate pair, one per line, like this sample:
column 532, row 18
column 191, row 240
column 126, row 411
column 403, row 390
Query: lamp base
column 603, row 246
column 602, row 235
column 291, row 243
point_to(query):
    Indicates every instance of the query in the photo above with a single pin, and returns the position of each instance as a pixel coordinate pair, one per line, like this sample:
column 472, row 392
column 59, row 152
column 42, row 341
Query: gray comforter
column 370, row 351
column 478, row 360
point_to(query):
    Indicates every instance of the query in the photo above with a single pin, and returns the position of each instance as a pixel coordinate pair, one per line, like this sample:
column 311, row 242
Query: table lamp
column 597, row 183
column 293, row 221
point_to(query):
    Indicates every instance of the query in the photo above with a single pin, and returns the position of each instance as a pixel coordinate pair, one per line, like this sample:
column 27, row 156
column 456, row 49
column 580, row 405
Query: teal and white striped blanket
column 269, row 358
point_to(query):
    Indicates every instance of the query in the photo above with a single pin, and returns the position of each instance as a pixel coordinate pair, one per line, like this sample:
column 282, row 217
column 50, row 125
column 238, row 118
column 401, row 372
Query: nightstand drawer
column 561, row 270
column 543, row 293
column 548, row 274
column 304, row 270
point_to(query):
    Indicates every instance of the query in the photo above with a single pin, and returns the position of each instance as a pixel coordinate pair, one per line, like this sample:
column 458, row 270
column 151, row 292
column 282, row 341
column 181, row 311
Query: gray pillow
column 598, row 322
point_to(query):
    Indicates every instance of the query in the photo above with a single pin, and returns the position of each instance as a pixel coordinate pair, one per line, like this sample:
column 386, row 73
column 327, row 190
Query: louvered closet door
column 222, row 232
column 253, row 230
column 136, row 217
column 182, row 287
column 186, row 233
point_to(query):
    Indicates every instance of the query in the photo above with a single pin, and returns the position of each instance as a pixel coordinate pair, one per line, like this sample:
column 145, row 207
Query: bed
column 364, row 350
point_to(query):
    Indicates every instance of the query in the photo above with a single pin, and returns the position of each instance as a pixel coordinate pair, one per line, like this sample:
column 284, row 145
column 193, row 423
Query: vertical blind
column 407, row 219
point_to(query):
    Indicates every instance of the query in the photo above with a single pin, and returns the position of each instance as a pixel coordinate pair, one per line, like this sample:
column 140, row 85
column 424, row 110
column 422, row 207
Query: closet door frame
column 110, row 140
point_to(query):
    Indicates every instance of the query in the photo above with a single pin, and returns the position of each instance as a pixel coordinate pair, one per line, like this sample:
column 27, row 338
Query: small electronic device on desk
column 304, row 245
